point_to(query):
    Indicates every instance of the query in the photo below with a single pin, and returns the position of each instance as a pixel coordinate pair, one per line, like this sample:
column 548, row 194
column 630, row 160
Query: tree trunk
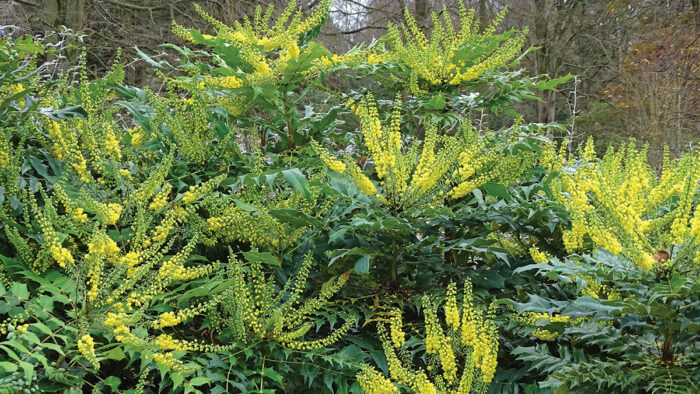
column 483, row 16
column 73, row 12
column 545, row 108
column 422, row 13
column 696, row 13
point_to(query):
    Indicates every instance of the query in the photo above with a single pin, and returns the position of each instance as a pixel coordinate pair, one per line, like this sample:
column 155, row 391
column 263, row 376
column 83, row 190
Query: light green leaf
column 298, row 182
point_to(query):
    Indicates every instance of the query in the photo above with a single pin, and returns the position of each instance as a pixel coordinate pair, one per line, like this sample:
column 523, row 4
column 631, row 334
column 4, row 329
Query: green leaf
column 113, row 382
column 262, row 257
column 63, row 113
column 28, row 370
column 8, row 366
column 498, row 190
column 362, row 265
column 298, row 182
column 552, row 83
column 245, row 206
column 176, row 378
column 20, row 291
column 274, row 375
column 40, row 167
column 200, row 380
column 116, row 354
column 148, row 59
column 294, row 217
column 358, row 251
column 304, row 61
column 10, row 352
column 436, row 102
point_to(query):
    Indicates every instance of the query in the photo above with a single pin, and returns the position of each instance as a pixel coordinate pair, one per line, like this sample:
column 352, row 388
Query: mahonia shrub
column 461, row 353
column 628, row 314
column 450, row 56
column 619, row 203
column 17, row 90
column 259, row 65
column 119, row 275
column 260, row 309
column 444, row 166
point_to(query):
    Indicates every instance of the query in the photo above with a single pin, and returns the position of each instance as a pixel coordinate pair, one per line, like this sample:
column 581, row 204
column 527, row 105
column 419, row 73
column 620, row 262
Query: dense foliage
column 248, row 228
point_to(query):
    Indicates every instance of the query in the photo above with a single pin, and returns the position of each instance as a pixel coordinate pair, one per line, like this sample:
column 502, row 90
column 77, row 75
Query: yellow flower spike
column 471, row 345
column 615, row 203
column 373, row 382
column 334, row 164
column 114, row 211
column 362, row 181
column 62, row 255
column 422, row 173
column 441, row 59
column 537, row 255
column 86, row 346
column 451, row 312
column 112, row 145
column 398, row 337
column 169, row 360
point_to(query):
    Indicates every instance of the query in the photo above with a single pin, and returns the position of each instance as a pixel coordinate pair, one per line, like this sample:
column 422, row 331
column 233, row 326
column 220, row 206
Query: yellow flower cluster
column 169, row 360
column 450, row 57
column 404, row 182
column 487, row 159
column 169, row 319
column 267, row 47
column 161, row 198
column 373, row 382
column 537, row 255
column 334, row 164
column 597, row 290
column 108, row 213
column 479, row 332
column 188, row 122
column 130, row 260
column 60, row 254
column 236, row 224
column 124, row 335
column 78, row 215
column 470, row 339
column 284, row 318
column 537, row 319
column 60, row 143
column 615, row 203
column 112, row 145
column 362, row 181
column 398, row 337
column 544, row 334
column 138, row 136
column 11, row 90
column 444, row 166
column 86, row 144
column 86, row 346
column 4, row 156
column 189, row 273
column 230, row 222
column 203, row 189
column 166, row 342
column 533, row 317
column 101, row 248
column 104, row 245
column 229, row 82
